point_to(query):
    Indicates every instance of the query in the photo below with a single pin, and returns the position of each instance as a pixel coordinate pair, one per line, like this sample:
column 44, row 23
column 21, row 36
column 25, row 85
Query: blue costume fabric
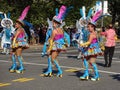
column 48, row 34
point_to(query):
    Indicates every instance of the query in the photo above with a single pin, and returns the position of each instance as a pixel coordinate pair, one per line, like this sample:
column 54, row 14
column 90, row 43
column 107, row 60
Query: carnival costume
column 82, row 33
column 49, row 32
column 59, row 42
column 7, row 32
column 21, row 41
column 91, row 49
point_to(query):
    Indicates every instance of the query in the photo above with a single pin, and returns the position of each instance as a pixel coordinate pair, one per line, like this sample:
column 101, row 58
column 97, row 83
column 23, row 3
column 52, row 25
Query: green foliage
column 40, row 10
column 114, row 9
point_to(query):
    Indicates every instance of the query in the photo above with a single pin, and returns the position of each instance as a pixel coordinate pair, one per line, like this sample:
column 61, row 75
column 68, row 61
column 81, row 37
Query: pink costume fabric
column 58, row 36
column 21, row 35
column 94, row 40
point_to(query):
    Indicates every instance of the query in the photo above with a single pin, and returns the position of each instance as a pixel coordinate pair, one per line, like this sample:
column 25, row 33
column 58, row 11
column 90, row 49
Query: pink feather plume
column 96, row 16
column 24, row 13
column 62, row 11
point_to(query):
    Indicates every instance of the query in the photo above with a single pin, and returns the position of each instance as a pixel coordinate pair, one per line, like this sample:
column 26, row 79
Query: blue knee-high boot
column 14, row 65
column 59, row 74
column 96, row 76
column 86, row 72
column 49, row 71
column 21, row 68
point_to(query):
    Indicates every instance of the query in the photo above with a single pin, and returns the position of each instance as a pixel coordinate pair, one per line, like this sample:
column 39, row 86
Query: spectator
column 109, row 44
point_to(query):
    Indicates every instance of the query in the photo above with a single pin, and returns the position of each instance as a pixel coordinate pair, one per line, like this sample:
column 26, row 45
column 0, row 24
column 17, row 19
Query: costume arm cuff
column 85, row 44
column 50, row 45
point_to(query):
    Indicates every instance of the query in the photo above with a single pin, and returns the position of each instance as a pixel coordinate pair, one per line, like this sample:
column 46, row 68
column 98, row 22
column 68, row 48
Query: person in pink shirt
column 110, row 35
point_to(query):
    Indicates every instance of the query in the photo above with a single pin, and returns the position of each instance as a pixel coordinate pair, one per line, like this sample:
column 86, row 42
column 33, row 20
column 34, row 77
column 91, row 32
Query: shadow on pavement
column 116, row 76
column 45, row 70
column 100, row 64
column 72, row 57
column 77, row 73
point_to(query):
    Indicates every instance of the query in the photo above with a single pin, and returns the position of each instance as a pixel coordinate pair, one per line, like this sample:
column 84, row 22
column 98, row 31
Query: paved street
column 35, row 65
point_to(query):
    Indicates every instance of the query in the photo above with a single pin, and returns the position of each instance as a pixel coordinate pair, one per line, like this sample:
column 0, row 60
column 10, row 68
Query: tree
column 114, row 7
column 40, row 10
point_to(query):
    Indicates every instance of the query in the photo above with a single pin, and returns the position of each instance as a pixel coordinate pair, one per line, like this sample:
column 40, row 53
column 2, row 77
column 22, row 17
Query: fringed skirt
column 59, row 45
column 92, row 50
column 21, row 43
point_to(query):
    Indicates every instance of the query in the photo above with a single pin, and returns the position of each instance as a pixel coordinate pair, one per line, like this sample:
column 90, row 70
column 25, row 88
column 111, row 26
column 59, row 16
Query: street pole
column 102, row 14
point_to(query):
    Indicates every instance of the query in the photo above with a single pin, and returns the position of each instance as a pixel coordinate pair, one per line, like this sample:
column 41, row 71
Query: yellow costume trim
column 85, row 44
column 50, row 45
column 13, row 44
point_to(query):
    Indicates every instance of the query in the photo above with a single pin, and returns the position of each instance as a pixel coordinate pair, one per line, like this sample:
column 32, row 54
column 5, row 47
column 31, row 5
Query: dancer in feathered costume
column 82, row 33
column 7, row 32
column 19, row 43
column 91, row 49
column 49, row 32
column 57, row 43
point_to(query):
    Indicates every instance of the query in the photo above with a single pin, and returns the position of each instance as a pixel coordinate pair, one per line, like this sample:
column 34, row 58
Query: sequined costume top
column 58, row 36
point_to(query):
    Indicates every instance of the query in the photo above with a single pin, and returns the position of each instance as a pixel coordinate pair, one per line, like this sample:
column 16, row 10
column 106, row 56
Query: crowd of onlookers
column 37, row 34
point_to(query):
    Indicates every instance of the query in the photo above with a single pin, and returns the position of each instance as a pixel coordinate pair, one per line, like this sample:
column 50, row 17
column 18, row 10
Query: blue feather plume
column 2, row 16
column 8, row 15
column 56, row 11
column 28, row 24
column 68, row 9
column 89, row 13
column 81, row 12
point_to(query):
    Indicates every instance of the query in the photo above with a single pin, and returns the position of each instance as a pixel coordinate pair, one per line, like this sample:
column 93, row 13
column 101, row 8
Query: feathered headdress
column 28, row 24
column 6, row 21
column 50, row 25
column 95, row 17
column 23, row 15
column 62, row 13
column 84, row 19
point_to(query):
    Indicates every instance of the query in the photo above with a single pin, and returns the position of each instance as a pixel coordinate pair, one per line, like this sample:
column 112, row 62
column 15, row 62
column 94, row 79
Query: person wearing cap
column 18, row 45
column 110, row 36
column 92, row 50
